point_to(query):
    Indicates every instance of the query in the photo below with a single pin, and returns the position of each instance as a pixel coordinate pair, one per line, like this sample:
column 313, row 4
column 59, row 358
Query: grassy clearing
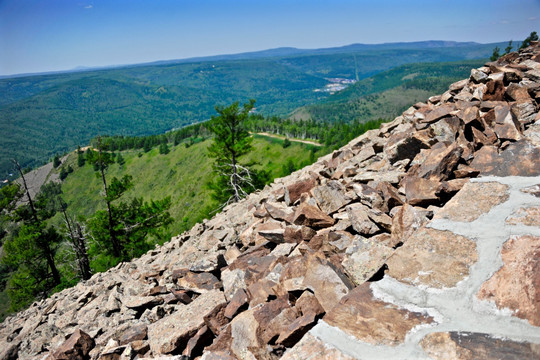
column 181, row 174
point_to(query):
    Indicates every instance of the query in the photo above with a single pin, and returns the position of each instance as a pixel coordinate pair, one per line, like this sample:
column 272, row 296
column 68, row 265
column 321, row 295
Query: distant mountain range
column 278, row 52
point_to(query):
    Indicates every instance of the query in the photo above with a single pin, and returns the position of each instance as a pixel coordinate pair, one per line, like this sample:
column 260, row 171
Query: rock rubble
column 311, row 255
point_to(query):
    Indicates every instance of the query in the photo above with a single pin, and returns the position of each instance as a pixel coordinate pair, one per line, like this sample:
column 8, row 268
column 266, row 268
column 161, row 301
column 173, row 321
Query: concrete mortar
column 457, row 308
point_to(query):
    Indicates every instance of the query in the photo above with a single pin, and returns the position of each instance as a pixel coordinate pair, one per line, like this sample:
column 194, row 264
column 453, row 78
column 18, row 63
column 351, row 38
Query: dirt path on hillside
column 283, row 138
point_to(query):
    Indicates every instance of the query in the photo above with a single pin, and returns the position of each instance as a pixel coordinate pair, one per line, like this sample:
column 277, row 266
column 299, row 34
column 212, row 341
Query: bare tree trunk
column 30, row 202
column 78, row 241
column 84, row 262
column 117, row 250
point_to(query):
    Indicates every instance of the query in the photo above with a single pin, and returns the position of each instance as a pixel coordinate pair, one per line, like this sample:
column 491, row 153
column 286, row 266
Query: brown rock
column 446, row 129
column 273, row 318
column 330, row 197
column 521, row 158
column 297, row 234
column 533, row 190
column 469, row 114
column 404, row 145
column 361, row 223
column 10, row 351
column 507, row 126
column 438, row 113
column 76, row 347
column 272, row 231
column 279, row 211
column 311, row 347
column 237, row 303
column 112, row 351
column 458, row 85
column 196, row 342
column 465, row 171
column 141, row 347
column 141, row 302
column 298, row 188
column 517, row 92
column 231, row 254
column 307, row 303
column 327, row 282
column 136, row 332
column 260, row 291
column 494, row 91
column 369, row 196
column 171, row 333
column 525, row 112
column 470, row 346
column 439, row 162
column 158, row 290
column 405, row 222
column 380, row 218
column 199, row 282
column 364, row 258
column 477, row 198
column 371, row 320
column 480, row 139
column 452, row 186
column 311, row 216
column 516, row 285
column 390, row 195
column 434, row 258
column 182, row 296
column 215, row 320
column 295, row 330
column 529, row 216
column 420, row 191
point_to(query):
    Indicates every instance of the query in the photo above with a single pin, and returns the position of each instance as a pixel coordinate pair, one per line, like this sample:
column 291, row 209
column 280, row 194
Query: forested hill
column 48, row 114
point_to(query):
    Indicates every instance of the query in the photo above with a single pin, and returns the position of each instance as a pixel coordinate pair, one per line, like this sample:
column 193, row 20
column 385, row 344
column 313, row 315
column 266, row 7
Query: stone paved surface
column 458, row 309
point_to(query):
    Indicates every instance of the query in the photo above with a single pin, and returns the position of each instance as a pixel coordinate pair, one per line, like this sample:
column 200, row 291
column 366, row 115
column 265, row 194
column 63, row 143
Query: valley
column 54, row 113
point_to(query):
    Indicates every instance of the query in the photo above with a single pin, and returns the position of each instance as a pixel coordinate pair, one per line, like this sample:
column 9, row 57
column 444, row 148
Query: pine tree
column 496, row 54
column 508, row 48
column 527, row 42
column 31, row 252
column 120, row 159
column 56, row 161
column 231, row 141
column 164, row 149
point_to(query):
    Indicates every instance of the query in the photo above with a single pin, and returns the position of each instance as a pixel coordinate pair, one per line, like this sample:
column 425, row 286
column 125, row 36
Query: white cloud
column 89, row 6
column 533, row 18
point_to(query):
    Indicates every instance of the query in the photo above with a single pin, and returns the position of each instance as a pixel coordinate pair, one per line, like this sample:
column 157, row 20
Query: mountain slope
column 388, row 93
column 418, row 240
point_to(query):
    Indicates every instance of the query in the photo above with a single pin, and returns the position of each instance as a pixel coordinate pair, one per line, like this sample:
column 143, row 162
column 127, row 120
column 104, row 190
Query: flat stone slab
column 473, row 200
column 371, row 320
column 311, row 348
column 434, row 258
column 171, row 333
column 529, row 216
column 469, row 346
column 516, row 285
column 521, row 158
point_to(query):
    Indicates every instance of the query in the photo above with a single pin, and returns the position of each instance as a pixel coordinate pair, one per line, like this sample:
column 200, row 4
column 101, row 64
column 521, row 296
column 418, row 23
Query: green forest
column 54, row 113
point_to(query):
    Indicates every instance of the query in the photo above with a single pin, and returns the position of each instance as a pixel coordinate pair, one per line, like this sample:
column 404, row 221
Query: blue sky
column 50, row 35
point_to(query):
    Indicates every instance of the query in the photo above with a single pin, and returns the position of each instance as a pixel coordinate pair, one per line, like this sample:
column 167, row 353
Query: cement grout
column 457, row 308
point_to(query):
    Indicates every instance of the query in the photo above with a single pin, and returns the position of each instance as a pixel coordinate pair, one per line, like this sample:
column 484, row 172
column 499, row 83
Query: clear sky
column 50, row 35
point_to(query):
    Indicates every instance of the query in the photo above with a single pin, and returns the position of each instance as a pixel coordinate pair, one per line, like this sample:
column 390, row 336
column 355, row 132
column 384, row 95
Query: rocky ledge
column 420, row 240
